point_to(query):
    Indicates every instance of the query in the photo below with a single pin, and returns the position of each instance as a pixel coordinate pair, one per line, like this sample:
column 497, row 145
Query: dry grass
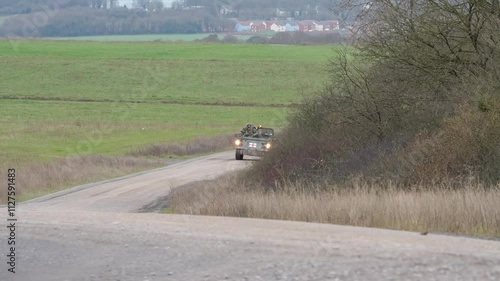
column 198, row 146
column 473, row 210
column 37, row 179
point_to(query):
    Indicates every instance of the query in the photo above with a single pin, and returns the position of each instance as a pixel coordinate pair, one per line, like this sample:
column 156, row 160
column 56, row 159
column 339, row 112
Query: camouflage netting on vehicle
column 249, row 130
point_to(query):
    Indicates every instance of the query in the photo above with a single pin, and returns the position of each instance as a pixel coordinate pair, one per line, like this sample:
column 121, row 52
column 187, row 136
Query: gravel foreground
column 94, row 233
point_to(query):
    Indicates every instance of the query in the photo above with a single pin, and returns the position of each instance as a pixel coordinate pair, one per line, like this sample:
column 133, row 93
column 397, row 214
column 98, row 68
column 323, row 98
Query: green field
column 146, row 37
column 61, row 98
column 52, row 129
column 187, row 73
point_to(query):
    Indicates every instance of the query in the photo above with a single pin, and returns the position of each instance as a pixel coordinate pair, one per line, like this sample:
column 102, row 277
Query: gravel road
column 94, row 232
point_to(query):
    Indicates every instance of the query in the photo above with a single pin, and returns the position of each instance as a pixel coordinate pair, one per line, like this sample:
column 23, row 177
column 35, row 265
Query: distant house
column 291, row 26
column 286, row 25
column 336, row 25
column 258, row 26
column 243, row 26
column 274, row 26
column 319, row 26
column 193, row 7
column 307, row 25
column 330, row 25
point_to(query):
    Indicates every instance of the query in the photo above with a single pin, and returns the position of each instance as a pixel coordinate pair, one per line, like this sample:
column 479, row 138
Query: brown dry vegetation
column 471, row 210
column 37, row 179
column 417, row 102
column 405, row 136
column 198, row 146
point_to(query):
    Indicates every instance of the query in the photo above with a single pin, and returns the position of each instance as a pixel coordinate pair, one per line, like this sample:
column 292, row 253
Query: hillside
column 263, row 8
column 46, row 18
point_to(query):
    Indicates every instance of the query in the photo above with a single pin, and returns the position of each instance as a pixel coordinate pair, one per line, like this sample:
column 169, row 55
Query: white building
column 130, row 3
column 274, row 26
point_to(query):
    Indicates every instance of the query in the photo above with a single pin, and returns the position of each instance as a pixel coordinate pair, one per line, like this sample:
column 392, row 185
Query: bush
column 230, row 39
column 406, row 106
column 346, row 128
column 257, row 40
column 282, row 38
column 214, row 38
column 465, row 147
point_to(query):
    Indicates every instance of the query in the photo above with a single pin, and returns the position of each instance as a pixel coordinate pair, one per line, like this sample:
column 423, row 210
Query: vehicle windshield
column 265, row 133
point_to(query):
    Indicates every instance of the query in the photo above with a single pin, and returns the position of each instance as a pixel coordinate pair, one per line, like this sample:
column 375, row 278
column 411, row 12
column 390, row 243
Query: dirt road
column 131, row 193
column 94, row 232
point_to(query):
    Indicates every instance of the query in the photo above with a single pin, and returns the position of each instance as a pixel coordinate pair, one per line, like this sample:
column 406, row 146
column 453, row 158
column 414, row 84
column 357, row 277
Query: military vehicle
column 256, row 144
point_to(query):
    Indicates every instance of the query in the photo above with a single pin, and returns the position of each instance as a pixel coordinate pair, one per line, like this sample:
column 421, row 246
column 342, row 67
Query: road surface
column 96, row 232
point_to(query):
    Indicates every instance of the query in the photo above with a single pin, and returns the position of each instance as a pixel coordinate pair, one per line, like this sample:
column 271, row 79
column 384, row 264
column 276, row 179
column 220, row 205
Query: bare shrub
column 198, row 146
column 367, row 112
column 443, row 38
column 465, row 147
column 394, row 109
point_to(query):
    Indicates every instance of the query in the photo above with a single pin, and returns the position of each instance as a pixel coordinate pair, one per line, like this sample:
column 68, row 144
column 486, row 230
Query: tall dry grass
column 37, row 179
column 198, row 146
column 473, row 209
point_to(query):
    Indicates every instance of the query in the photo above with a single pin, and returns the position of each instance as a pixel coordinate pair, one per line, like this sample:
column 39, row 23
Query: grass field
column 84, row 98
column 146, row 37
column 185, row 73
column 48, row 130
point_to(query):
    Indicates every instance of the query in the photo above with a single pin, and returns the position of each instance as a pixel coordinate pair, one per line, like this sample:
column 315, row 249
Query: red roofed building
column 307, row 25
column 330, row 25
column 274, row 26
column 258, row 26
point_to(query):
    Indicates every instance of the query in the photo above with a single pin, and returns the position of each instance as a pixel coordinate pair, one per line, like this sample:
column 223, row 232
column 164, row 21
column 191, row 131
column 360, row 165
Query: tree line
column 9, row 7
column 118, row 21
column 109, row 17
column 262, row 8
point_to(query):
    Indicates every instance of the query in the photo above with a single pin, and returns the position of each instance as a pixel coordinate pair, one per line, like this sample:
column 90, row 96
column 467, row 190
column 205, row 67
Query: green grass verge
column 164, row 51
column 142, row 37
column 147, row 37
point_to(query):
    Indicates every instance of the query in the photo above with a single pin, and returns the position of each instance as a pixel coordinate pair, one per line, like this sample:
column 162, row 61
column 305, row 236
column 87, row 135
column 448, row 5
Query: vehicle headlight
column 237, row 142
column 268, row 145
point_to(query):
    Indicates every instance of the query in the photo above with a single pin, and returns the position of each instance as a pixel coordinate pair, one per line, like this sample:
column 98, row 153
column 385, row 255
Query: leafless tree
column 102, row 4
column 149, row 5
column 440, row 37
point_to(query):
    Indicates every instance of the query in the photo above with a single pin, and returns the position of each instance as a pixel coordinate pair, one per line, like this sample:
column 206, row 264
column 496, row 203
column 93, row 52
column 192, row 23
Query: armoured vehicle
column 256, row 144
